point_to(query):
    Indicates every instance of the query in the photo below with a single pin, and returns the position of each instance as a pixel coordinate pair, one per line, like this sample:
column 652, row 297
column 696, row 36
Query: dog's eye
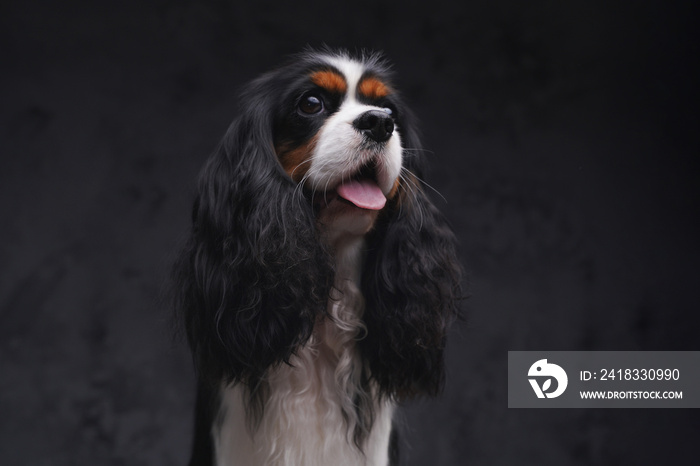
column 311, row 104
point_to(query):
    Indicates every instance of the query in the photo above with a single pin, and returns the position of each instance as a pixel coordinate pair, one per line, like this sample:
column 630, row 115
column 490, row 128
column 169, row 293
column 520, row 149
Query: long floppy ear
column 253, row 275
column 411, row 284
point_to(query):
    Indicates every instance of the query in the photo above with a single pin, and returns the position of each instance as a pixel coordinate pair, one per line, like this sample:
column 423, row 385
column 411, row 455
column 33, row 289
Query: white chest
column 310, row 414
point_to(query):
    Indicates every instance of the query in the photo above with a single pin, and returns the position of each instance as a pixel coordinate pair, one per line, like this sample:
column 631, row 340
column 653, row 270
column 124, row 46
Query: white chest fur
column 310, row 415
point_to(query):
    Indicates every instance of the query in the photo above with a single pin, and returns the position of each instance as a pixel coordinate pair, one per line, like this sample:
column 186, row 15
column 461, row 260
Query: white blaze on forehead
column 352, row 71
column 341, row 150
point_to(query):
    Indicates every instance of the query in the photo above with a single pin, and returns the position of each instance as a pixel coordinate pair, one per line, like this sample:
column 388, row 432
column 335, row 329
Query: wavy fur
column 254, row 276
column 261, row 295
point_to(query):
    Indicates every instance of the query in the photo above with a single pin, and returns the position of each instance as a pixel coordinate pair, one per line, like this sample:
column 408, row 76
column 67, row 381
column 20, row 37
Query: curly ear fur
column 411, row 284
column 253, row 276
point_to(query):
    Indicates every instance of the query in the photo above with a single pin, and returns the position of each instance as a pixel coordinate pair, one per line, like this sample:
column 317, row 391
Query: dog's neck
column 346, row 303
column 348, row 254
column 344, row 236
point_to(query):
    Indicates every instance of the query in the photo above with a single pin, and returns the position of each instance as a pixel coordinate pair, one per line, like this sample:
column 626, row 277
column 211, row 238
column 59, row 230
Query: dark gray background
column 563, row 138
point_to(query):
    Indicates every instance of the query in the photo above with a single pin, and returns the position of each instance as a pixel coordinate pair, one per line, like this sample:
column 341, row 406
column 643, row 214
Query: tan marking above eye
column 373, row 88
column 331, row 81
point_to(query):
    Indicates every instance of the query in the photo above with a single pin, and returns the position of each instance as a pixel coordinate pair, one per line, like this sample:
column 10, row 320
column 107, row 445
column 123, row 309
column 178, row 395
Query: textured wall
column 562, row 138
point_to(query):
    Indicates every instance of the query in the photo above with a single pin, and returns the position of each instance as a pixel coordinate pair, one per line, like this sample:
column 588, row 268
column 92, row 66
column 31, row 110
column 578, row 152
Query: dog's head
column 338, row 133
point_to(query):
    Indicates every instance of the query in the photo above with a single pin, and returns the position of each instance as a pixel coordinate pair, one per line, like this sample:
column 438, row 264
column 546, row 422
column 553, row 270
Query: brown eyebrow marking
column 373, row 88
column 330, row 81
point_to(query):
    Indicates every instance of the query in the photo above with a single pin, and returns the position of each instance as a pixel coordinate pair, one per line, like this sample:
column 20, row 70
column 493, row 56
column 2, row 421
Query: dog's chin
column 351, row 206
column 338, row 217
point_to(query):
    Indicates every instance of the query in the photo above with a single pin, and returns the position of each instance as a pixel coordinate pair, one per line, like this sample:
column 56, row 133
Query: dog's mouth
column 360, row 190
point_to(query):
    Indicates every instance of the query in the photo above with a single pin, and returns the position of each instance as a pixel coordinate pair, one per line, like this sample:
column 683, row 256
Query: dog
column 319, row 279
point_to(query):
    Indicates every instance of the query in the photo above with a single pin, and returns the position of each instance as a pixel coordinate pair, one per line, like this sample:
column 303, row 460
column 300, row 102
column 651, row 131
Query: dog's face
column 338, row 135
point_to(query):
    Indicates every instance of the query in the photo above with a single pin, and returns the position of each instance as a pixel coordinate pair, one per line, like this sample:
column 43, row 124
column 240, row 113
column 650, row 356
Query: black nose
column 375, row 124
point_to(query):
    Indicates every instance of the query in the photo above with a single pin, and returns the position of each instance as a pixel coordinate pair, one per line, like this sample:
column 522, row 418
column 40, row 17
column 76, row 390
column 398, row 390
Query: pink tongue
column 363, row 193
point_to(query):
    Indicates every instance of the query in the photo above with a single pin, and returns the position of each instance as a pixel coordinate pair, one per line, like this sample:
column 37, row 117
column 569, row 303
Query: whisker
column 412, row 189
column 419, row 150
column 325, row 190
column 307, row 160
column 295, row 169
column 426, row 184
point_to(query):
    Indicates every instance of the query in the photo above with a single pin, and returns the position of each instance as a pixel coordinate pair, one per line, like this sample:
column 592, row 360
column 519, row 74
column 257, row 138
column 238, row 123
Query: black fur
column 411, row 284
column 254, row 277
column 205, row 415
column 411, row 287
